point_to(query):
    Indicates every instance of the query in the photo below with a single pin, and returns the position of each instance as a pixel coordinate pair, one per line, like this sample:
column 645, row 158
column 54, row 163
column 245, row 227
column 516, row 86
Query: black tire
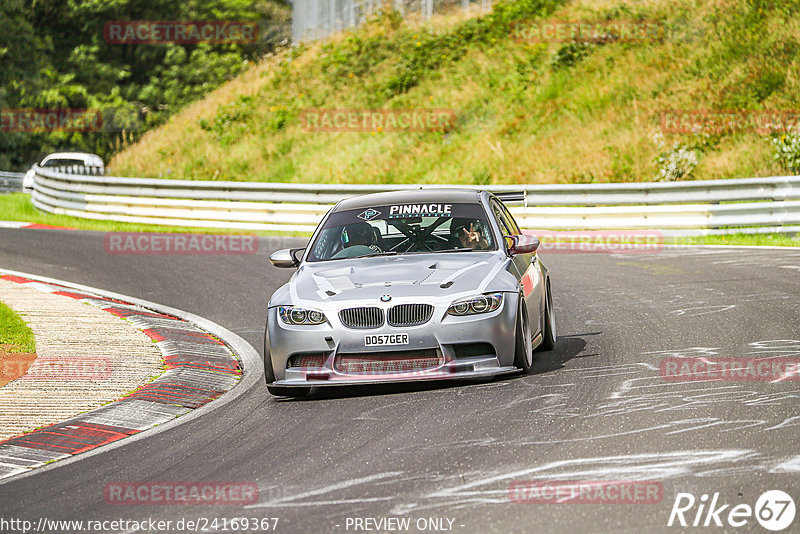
column 269, row 372
column 549, row 334
column 523, row 347
column 284, row 391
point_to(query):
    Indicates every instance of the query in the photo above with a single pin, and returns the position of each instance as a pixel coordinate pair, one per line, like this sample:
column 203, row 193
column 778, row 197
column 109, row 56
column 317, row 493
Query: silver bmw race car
column 425, row 284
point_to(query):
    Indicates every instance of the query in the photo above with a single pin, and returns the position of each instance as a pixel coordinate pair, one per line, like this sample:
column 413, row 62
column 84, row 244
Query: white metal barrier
column 317, row 19
column 710, row 206
column 11, row 182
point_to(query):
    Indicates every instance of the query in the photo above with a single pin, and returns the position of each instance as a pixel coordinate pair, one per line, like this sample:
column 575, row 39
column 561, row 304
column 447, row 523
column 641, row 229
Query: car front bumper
column 446, row 335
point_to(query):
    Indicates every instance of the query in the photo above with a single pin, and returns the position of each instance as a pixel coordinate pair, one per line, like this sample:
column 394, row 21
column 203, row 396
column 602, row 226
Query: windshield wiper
column 387, row 253
column 458, row 250
column 441, row 251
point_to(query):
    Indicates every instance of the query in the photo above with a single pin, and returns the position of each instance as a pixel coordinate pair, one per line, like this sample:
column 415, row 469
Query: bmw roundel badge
column 386, row 298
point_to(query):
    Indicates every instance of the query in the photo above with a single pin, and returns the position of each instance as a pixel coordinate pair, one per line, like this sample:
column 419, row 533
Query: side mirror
column 521, row 244
column 285, row 258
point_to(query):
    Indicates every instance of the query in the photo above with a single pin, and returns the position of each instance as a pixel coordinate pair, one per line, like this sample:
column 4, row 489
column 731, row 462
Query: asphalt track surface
column 595, row 408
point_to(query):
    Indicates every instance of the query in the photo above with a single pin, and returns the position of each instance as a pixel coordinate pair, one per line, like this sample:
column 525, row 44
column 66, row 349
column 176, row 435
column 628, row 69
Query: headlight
column 486, row 303
column 295, row 315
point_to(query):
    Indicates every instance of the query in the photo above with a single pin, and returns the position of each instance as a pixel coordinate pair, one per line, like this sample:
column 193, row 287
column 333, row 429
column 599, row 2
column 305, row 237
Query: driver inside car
column 467, row 234
column 360, row 233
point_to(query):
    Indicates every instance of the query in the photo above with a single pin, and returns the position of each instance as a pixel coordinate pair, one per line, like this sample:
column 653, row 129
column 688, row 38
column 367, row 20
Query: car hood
column 427, row 276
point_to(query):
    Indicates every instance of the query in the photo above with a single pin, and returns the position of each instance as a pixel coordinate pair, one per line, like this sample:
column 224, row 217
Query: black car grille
column 410, row 314
column 307, row 359
column 403, row 361
column 366, row 317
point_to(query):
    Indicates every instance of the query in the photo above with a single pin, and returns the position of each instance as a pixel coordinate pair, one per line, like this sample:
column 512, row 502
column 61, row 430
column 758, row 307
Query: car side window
column 505, row 227
column 510, row 220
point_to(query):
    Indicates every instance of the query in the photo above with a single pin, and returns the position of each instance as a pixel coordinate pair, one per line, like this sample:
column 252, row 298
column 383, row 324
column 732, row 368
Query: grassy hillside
column 525, row 112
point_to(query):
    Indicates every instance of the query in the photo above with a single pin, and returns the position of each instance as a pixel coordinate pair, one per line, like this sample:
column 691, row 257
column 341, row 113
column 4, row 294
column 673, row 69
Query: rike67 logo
column 774, row 510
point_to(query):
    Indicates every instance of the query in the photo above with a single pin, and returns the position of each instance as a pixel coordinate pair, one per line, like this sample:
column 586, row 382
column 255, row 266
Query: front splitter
column 360, row 380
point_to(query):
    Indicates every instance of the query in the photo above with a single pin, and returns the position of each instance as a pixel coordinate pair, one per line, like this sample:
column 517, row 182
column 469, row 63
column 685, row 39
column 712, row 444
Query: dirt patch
column 13, row 364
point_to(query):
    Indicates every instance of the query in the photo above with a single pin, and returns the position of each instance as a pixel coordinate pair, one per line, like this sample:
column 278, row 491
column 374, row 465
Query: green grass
column 525, row 112
column 737, row 239
column 775, row 240
column 18, row 207
column 14, row 331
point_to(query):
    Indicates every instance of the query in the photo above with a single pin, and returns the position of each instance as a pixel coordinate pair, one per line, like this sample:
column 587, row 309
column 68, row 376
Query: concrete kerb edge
column 252, row 370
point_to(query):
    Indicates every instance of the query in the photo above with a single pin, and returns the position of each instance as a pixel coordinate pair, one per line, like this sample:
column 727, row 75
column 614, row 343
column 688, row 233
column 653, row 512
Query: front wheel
column 523, row 349
column 549, row 334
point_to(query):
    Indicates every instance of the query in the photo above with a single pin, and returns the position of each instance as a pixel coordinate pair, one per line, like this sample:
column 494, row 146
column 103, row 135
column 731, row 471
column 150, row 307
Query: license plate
column 381, row 340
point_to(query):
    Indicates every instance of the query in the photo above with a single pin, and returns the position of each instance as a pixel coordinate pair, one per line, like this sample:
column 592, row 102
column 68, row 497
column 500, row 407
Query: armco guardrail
column 680, row 206
column 11, row 182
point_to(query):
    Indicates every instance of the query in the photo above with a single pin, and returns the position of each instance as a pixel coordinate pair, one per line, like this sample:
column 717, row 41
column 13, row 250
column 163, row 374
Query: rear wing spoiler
column 511, row 196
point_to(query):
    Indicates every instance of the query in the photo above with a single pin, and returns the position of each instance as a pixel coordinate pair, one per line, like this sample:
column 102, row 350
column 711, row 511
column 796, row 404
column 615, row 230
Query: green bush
column 232, row 120
column 675, row 163
column 570, row 54
column 53, row 55
column 787, row 151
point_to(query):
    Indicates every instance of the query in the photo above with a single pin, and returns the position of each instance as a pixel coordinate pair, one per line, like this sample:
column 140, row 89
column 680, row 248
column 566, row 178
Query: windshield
column 61, row 162
column 403, row 229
